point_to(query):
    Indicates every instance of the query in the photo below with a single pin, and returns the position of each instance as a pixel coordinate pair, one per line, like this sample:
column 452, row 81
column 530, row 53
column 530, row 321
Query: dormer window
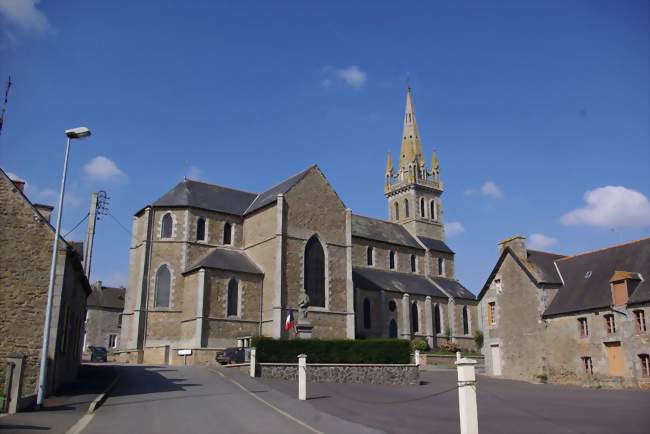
column 623, row 284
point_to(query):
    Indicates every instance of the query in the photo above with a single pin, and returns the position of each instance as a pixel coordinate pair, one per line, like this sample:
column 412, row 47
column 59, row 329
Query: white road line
column 81, row 424
column 283, row 413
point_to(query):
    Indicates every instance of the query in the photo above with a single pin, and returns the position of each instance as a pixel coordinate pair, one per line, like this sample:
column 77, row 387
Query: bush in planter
column 451, row 347
column 419, row 344
column 367, row 351
column 478, row 339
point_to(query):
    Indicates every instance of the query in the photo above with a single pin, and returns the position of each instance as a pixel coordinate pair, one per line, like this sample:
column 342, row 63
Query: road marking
column 283, row 413
column 81, row 424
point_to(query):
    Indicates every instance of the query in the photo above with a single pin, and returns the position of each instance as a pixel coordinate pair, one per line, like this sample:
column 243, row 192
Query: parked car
column 233, row 355
column 98, row 354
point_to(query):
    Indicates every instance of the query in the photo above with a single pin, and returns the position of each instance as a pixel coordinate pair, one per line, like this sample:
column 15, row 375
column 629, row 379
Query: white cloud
column 611, row 207
column 49, row 196
column 352, row 76
column 24, row 15
column 194, row 173
column 541, row 241
column 490, row 188
column 103, row 169
column 454, row 228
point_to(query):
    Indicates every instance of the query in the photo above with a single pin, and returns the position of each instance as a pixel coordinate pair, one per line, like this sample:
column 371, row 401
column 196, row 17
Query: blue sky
column 539, row 111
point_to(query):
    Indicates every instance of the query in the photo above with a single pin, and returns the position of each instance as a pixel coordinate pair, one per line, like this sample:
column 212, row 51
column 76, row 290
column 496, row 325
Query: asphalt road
column 195, row 400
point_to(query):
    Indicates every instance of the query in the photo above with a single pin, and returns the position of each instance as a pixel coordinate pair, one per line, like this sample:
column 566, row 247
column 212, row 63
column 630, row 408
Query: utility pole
column 98, row 207
column 4, row 104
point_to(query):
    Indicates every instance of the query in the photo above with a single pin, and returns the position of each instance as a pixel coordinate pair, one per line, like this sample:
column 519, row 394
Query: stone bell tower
column 413, row 191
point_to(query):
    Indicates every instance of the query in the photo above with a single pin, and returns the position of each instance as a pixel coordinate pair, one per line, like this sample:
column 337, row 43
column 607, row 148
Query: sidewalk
column 65, row 409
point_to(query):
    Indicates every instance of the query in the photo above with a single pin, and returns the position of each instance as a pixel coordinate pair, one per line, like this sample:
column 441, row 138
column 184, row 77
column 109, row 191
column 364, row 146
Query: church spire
column 411, row 156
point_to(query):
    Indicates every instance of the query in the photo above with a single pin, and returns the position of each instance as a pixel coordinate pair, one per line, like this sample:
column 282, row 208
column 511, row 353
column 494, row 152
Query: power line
column 118, row 222
column 76, row 226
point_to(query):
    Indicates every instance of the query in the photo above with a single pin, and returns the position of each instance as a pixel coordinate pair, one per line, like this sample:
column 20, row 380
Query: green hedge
column 332, row 350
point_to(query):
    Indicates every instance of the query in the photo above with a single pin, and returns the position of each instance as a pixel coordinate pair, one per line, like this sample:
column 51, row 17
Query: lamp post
column 74, row 133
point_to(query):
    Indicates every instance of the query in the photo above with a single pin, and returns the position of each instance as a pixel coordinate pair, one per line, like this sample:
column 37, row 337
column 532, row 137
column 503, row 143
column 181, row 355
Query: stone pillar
column 383, row 308
column 302, row 377
column 451, row 318
column 416, row 357
column 200, row 312
column 15, row 386
column 467, row 395
column 428, row 320
column 349, row 285
column 277, row 288
column 253, row 362
column 405, row 333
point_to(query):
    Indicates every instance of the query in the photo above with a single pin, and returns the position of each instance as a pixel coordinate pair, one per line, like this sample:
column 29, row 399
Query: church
column 212, row 266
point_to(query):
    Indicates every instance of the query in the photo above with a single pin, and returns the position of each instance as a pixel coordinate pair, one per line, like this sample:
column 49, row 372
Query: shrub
column 478, row 339
column 452, row 347
column 394, row 351
column 448, row 333
column 419, row 344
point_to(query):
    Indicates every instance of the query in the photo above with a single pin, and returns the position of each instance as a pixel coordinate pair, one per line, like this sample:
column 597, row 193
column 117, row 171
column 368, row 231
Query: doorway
column 495, row 352
column 392, row 329
column 615, row 359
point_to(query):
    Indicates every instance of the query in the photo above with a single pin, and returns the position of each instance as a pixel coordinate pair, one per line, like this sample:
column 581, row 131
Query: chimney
column 19, row 183
column 517, row 244
column 44, row 210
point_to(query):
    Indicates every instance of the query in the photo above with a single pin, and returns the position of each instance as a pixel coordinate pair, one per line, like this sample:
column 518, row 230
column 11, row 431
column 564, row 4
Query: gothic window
column 396, row 211
column 200, row 229
column 433, row 213
column 465, row 321
column 392, row 305
column 166, row 227
column 233, row 297
column 422, row 208
column 366, row 313
column 437, row 319
column 406, row 208
column 227, row 234
column 162, row 287
column 413, row 263
column 391, row 260
column 392, row 329
column 369, row 254
column 441, row 266
column 414, row 318
column 315, row 272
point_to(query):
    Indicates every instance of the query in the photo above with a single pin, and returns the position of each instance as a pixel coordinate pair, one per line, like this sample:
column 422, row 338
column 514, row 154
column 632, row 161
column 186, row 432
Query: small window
column 588, row 365
column 119, row 321
column 392, row 305
column 396, row 215
column 644, row 359
column 406, row 208
column 369, row 255
column 491, row 313
column 227, row 234
column 233, row 297
column 366, row 313
column 437, row 319
column 391, row 260
column 583, row 327
column 162, row 287
column 422, row 208
column 639, row 321
column 610, row 324
column 166, row 227
column 112, row 341
column 413, row 264
column 433, row 211
column 200, row 229
column 441, row 266
column 465, row 321
column 498, row 286
column 415, row 321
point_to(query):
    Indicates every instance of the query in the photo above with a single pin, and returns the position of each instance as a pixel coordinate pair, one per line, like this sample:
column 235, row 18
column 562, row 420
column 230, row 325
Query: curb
column 97, row 402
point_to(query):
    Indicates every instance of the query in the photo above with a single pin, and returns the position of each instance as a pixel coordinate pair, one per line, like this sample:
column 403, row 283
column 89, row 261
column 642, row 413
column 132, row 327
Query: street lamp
column 74, row 133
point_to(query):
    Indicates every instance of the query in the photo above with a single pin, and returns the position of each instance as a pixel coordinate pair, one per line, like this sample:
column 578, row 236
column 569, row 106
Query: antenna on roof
column 4, row 103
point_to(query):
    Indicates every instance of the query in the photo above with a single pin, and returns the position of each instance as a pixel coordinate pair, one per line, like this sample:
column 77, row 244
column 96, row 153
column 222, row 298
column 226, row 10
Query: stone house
column 104, row 317
column 211, row 266
column 25, row 254
column 577, row 319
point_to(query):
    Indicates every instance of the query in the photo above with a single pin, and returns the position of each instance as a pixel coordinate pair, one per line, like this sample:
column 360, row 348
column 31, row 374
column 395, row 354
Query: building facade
column 104, row 317
column 210, row 265
column 569, row 319
column 25, row 254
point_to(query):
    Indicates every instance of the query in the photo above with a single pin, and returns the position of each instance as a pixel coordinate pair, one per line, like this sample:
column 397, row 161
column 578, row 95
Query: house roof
column 376, row 279
column 436, row 245
column 106, row 297
column 453, row 288
column 269, row 196
column 380, row 230
column 226, row 259
column 587, row 277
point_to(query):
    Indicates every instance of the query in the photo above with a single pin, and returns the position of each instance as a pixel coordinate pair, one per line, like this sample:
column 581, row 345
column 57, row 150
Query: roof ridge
column 377, row 219
column 406, row 273
column 547, row 253
column 303, row 172
column 589, row 252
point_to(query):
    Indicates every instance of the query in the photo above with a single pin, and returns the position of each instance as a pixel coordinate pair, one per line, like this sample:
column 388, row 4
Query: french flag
column 289, row 323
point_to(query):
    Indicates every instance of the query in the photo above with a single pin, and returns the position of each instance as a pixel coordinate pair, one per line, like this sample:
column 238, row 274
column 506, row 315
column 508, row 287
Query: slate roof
column 380, row 230
column 543, row 266
column 226, row 259
column 586, row 277
column 436, row 245
column 270, row 195
column 453, row 288
column 207, row 196
column 106, row 297
column 373, row 278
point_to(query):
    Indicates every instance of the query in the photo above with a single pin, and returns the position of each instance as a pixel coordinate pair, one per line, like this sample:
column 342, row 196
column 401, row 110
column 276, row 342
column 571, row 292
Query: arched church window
column 366, row 313
column 441, row 266
column 369, row 255
column 396, row 214
column 406, row 208
column 433, row 213
column 437, row 319
column 465, row 321
column 413, row 264
column 162, row 287
column 200, row 229
column 392, row 305
column 166, row 226
column 415, row 321
column 392, row 329
column 422, row 208
column 227, row 234
column 391, row 260
column 315, row 272
column 233, row 297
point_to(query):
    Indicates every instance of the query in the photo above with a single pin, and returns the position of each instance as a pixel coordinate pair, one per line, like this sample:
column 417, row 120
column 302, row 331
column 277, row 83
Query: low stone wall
column 445, row 361
column 199, row 357
column 343, row 373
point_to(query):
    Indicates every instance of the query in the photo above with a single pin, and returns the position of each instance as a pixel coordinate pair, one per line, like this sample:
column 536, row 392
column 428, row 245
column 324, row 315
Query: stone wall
column 397, row 375
column 446, row 361
column 100, row 324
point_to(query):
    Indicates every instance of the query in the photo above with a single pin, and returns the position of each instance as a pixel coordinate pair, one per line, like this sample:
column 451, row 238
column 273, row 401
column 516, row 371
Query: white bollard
column 467, row 395
column 253, row 357
column 416, row 357
column 302, row 377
